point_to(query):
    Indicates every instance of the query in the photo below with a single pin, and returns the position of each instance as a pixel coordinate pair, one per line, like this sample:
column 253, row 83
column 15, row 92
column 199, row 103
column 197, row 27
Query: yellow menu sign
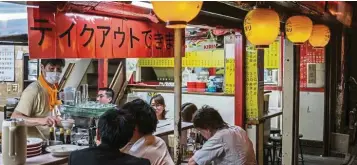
column 206, row 59
column 251, row 85
column 272, row 55
column 229, row 76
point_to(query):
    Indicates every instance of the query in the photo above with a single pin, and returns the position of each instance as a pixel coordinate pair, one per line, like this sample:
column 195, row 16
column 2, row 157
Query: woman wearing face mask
column 37, row 102
column 158, row 103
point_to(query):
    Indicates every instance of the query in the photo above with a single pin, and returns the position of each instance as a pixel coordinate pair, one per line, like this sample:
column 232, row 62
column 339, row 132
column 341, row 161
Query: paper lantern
column 298, row 29
column 176, row 13
column 320, row 36
column 261, row 26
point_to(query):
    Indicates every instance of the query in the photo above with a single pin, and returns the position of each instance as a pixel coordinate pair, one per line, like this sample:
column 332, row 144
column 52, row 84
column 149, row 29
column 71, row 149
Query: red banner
column 72, row 35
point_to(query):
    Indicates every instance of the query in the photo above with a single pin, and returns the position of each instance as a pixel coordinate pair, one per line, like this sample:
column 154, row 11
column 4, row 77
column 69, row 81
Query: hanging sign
column 229, row 76
column 205, row 59
column 200, row 44
column 72, row 35
column 7, row 63
column 272, row 55
column 252, row 86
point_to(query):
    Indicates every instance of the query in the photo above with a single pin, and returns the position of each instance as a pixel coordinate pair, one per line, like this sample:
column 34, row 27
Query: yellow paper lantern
column 261, row 26
column 298, row 29
column 320, row 36
column 176, row 13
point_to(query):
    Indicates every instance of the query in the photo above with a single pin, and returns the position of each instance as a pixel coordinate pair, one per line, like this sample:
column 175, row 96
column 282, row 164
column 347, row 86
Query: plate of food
column 62, row 150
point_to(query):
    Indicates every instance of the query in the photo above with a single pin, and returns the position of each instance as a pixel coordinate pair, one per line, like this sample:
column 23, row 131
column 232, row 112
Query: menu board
column 205, row 59
column 251, row 85
column 272, row 55
column 229, row 76
column 156, row 62
column 308, row 54
column 7, row 63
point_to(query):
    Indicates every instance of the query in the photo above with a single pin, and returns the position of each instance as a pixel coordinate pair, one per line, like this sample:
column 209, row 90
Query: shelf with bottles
column 201, row 80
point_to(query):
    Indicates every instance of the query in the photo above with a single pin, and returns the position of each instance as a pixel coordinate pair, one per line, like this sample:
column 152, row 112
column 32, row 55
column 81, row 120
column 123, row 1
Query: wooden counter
column 272, row 113
column 169, row 129
column 46, row 159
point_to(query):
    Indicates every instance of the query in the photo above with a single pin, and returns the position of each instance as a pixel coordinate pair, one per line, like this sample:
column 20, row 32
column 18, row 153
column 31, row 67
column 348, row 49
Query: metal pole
column 177, row 90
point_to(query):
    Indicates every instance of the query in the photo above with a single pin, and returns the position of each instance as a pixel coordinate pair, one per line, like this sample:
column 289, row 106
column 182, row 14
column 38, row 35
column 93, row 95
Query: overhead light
column 12, row 16
column 142, row 4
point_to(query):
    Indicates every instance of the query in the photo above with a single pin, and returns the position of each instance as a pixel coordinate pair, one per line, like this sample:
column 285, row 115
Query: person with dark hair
column 115, row 128
column 158, row 103
column 228, row 145
column 39, row 99
column 143, row 143
column 187, row 111
column 105, row 95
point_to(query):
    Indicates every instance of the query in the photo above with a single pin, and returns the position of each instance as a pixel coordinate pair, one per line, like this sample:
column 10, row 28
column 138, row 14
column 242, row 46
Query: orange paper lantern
column 176, row 13
column 320, row 36
column 261, row 27
column 298, row 29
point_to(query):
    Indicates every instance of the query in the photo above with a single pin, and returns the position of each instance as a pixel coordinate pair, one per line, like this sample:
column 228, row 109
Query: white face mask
column 52, row 77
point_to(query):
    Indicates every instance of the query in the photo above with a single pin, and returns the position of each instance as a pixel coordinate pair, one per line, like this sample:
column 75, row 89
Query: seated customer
column 143, row 144
column 105, row 95
column 158, row 103
column 115, row 128
column 228, row 145
column 187, row 111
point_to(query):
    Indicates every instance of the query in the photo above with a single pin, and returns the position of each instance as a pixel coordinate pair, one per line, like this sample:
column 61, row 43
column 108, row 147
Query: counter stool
column 300, row 148
column 267, row 153
column 277, row 149
column 275, row 131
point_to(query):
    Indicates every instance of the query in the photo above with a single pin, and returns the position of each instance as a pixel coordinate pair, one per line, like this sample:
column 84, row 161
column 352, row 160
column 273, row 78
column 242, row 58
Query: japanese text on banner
column 71, row 35
column 206, row 59
column 272, row 55
column 229, row 76
column 7, row 63
column 251, row 86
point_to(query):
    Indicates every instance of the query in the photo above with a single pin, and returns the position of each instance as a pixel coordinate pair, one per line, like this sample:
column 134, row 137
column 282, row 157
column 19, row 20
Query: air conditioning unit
column 315, row 75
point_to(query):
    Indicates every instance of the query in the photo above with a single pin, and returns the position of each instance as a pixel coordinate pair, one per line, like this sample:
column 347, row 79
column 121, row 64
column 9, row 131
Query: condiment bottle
column 52, row 133
column 68, row 136
column 61, row 137
column 92, row 133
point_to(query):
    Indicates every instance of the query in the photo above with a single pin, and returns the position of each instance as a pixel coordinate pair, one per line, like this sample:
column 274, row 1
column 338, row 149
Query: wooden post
column 177, row 101
column 102, row 73
column 239, row 93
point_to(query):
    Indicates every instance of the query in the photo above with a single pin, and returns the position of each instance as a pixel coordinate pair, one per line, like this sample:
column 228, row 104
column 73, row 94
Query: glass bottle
column 52, row 133
column 61, row 137
column 68, row 137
